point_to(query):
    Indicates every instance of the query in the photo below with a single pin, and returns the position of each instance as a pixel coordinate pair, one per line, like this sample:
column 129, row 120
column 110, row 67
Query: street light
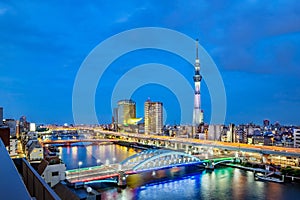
column 79, row 165
column 98, row 161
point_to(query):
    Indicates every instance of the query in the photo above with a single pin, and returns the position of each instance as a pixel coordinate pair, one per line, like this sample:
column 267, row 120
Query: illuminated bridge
column 148, row 160
column 71, row 141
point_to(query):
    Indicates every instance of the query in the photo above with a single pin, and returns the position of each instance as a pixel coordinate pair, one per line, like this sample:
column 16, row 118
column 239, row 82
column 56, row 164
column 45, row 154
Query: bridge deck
column 76, row 141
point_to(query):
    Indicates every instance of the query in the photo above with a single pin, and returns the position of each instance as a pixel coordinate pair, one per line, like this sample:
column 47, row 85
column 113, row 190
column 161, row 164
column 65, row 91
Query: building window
column 55, row 173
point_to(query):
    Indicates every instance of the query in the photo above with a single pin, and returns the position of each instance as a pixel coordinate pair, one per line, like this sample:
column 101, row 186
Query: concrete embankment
column 287, row 177
column 135, row 145
column 249, row 168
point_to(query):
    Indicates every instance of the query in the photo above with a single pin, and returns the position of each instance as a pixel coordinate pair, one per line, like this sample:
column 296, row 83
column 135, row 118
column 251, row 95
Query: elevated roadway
column 275, row 150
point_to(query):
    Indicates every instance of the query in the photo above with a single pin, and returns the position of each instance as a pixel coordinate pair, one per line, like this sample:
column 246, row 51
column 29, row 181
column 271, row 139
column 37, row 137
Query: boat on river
column 268, row 178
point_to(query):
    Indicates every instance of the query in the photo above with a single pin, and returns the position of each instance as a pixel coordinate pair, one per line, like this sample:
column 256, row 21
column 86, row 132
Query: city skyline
column 255, row 45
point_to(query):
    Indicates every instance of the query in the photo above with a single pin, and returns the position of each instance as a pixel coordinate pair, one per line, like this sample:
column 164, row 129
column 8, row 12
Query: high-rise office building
column 126, row 111
column 153, row 117
column 1, row 116
column 197, row 112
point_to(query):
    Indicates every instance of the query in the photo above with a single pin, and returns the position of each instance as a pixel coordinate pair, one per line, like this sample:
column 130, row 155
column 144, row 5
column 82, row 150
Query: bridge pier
column 186, row 148
column 181, row 146
column 166, row 145
column 175, row 146
column 210, row 166
column 122, row 179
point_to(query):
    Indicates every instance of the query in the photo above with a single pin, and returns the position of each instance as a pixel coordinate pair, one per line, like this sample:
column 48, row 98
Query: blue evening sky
column 255, row 45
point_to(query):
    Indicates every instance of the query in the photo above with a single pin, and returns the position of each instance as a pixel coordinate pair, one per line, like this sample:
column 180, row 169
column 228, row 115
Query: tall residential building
column 266, row 122
column 1, row 116
column 126, row 111
column 296, row 138
column 214, row 131
column 231, row 133
column 197, row 113
column 24, row 125
column 32, row 127
column 12, row 125
column 153, row 117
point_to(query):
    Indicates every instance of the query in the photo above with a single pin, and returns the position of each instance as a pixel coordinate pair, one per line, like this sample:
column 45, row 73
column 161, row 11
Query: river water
column 222, row 183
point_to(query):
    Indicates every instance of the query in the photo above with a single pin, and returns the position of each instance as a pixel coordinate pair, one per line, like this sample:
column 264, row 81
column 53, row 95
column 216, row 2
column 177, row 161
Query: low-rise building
column 258, row 137
column 52, row 170
column 13, row 147
column 34, row 150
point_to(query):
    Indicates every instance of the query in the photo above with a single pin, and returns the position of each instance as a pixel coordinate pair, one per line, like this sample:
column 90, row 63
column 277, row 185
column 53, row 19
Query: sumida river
column 173, row 184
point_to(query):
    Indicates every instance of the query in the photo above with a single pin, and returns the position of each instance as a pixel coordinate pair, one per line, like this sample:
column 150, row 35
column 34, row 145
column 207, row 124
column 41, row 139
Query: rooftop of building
column 126, row 101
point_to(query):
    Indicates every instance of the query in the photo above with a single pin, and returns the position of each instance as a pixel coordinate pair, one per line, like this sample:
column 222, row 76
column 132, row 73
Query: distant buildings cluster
column 125, row 120
column 265, row 134
column 20, row 138
column 11, row 130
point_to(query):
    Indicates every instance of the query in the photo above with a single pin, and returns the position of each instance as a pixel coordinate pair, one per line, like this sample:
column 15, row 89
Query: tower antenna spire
column 197, row 41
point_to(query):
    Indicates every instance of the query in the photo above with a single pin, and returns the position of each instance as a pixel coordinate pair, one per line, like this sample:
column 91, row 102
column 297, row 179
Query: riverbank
column 287, row 177
column 135, row 145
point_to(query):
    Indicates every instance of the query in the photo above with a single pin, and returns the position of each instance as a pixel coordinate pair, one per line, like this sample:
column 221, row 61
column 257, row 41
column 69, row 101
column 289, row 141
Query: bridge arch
column 223, row 161
column 158, row 158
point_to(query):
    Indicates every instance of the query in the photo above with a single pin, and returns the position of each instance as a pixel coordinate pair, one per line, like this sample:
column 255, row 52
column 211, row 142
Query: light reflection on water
column 89, row 154
column 223, row 183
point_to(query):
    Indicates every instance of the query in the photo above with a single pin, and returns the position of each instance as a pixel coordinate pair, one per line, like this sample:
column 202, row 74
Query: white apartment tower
column 296, row 138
